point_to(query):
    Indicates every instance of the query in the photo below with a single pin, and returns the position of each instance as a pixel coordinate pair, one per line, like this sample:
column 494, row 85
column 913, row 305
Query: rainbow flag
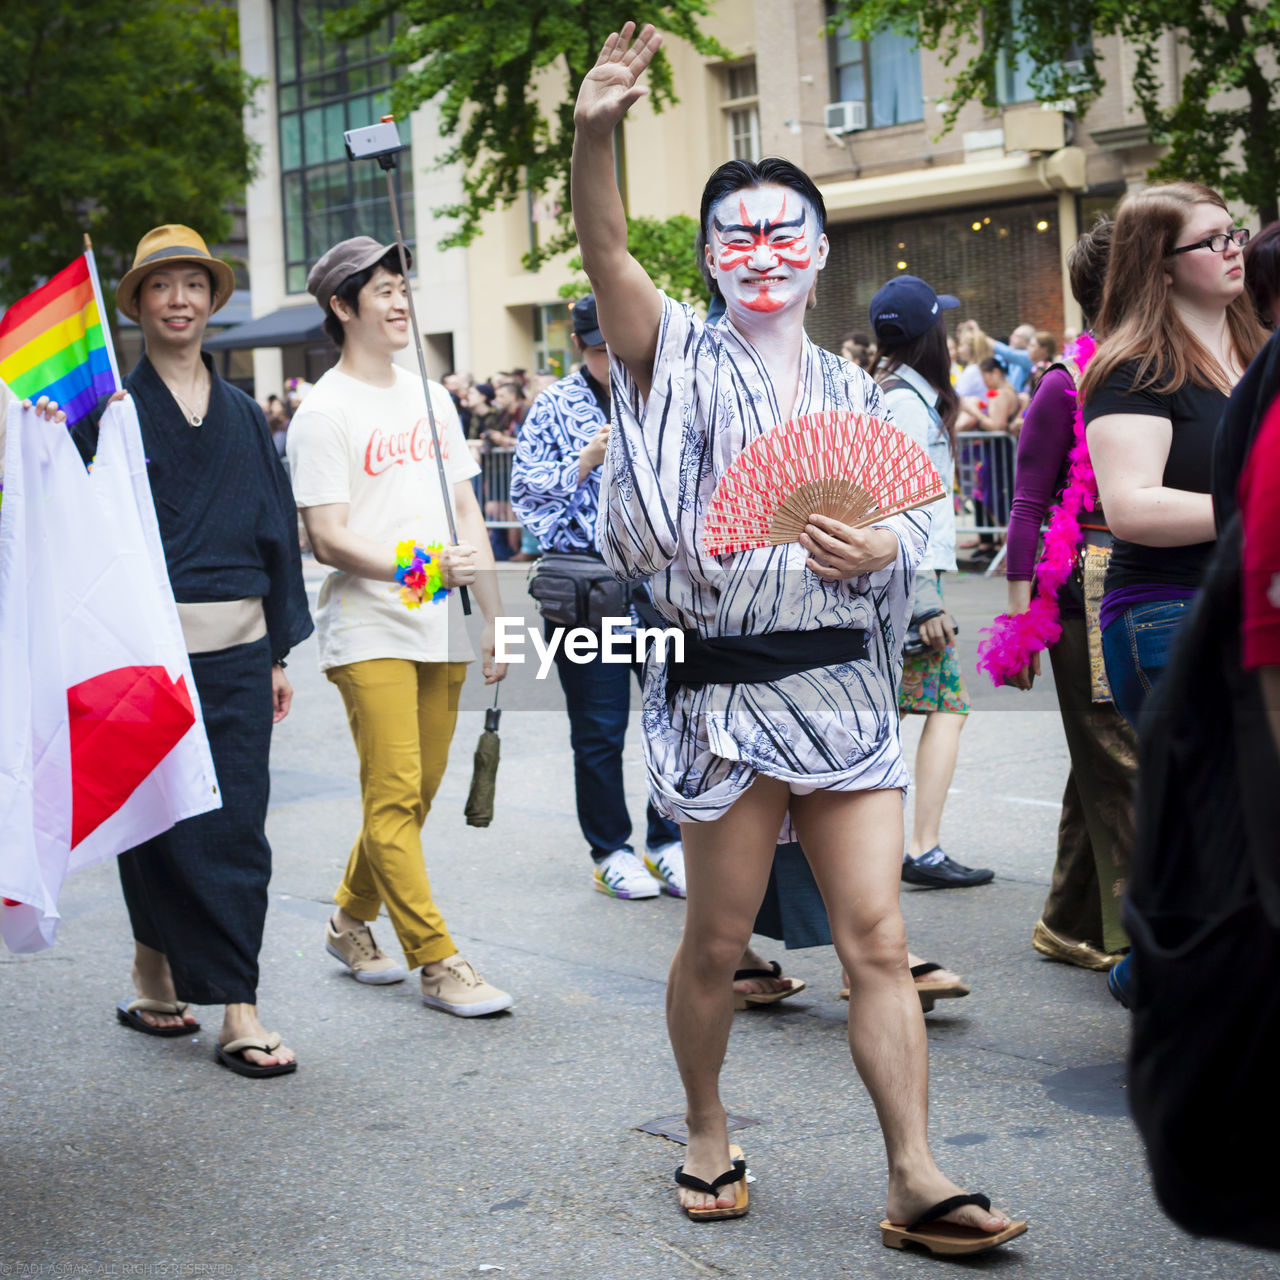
column 54, row 343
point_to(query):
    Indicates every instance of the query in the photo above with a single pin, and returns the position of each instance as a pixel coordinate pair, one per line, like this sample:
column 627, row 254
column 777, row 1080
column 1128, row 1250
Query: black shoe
column 945, row 874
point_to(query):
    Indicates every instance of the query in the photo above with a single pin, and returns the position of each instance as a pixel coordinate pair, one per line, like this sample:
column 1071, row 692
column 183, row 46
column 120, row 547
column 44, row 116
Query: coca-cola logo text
column 387, row 449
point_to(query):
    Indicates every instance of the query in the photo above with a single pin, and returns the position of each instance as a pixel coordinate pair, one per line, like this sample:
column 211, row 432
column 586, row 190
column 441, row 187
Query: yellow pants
column 402, row 717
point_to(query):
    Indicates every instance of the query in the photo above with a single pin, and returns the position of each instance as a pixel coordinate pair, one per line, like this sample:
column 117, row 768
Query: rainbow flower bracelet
column 418, row 573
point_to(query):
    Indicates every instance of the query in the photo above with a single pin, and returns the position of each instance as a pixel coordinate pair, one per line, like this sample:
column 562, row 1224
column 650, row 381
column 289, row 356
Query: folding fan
column 849, row 466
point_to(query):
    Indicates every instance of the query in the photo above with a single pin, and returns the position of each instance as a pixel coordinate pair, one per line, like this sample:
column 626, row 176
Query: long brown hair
column 927, row 354
column 1138, row 323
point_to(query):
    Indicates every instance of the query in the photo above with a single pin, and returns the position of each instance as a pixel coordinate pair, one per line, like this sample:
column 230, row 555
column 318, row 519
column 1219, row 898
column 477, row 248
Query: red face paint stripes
column 763, row 254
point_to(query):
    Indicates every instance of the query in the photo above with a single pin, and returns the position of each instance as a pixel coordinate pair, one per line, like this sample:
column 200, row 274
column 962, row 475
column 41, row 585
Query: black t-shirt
column 1195, row 413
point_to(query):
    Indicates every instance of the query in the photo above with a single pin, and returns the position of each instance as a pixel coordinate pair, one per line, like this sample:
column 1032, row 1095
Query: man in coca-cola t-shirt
column 366, row 478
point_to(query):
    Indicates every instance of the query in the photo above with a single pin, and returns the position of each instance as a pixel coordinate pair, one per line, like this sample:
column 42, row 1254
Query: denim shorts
column 1136, row 649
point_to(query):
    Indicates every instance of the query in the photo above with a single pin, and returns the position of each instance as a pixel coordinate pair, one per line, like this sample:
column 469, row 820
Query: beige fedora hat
column 166, row 247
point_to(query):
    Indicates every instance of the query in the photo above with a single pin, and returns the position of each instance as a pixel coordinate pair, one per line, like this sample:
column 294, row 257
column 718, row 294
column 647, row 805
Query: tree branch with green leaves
column 1225, row 46
column 115, row 117
column 483, row 64
column 667, row 247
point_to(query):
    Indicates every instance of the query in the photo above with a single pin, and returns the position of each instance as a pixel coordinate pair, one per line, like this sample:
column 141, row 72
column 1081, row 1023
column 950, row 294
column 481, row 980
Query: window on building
column 1013, row 73
column 324, row 88
column 741, row 107
column 883, row 73
column 1013, row 78
column 551, row 346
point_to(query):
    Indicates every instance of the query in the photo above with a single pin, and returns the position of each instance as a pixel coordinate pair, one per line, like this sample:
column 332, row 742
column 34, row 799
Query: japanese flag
column 101, row 741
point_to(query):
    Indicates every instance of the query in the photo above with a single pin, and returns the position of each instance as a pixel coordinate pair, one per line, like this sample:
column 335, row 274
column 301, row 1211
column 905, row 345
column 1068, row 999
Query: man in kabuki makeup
column 804, row 742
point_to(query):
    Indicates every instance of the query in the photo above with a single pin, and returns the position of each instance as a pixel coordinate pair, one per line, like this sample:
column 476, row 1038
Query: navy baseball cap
column 585, row 323
column 906, row 307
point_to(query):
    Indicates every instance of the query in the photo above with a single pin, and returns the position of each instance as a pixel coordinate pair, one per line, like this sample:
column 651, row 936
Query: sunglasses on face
column 1218, row 243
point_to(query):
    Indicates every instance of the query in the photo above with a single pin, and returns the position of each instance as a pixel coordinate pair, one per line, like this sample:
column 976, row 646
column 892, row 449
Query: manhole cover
column 674, row 1127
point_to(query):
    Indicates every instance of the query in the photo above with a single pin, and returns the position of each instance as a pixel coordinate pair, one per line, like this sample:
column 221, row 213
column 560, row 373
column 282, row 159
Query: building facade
column 985, row 211
column 307, row 195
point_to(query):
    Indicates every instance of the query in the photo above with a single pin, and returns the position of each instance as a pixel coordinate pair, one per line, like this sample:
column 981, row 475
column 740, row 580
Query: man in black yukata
column 197, row 895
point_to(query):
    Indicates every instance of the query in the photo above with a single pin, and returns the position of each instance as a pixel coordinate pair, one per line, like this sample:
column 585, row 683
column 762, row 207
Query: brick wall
column 1004, row 274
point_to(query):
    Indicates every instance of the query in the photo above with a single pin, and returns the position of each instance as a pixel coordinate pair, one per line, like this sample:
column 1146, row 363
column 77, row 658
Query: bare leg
column 153, row 981
column 935, row 767
column 934, row 975
column 727, row 868
column 854, row 842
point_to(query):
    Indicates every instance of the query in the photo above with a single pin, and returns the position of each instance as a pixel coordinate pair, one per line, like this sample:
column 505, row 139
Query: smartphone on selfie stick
column 381, row 142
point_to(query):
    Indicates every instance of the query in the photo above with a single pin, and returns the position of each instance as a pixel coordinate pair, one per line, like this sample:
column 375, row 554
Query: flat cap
column 343, row 260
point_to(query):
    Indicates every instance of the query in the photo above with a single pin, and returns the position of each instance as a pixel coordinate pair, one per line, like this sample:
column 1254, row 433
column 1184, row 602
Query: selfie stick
column 387, row 159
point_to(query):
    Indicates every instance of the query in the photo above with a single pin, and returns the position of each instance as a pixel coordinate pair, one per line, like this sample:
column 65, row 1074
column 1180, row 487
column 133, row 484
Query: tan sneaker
column 365, row 960
column 459, row 989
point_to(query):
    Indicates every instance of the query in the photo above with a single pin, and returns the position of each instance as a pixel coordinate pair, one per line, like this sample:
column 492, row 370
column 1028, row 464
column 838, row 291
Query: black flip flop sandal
column 948, row 1238
column 774, row 970
column 232, row 1057
column 128, row 1014
column 936, row 990
column 736, row 1174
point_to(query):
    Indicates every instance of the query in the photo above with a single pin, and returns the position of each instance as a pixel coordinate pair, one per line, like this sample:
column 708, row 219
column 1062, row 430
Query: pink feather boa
column 1012, row 639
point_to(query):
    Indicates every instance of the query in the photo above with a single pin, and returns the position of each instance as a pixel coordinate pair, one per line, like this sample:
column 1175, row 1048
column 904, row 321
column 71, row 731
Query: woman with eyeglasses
column 1177, row 332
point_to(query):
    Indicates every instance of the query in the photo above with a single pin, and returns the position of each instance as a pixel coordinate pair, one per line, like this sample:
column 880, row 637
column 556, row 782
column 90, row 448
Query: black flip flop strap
column 773, row 971
column 944, row 1207
column 919, row 970
column 697, row 1184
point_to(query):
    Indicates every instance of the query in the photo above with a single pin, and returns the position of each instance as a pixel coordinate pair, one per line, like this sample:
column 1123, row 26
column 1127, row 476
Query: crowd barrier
column 493, row 488
column 985, row 463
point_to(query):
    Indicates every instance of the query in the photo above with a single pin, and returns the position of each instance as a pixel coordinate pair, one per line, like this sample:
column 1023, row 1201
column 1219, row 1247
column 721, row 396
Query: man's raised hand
column 612, row 86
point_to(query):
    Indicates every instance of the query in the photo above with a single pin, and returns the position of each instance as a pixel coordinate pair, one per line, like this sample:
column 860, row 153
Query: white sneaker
column 622, row 875
column 667, row 866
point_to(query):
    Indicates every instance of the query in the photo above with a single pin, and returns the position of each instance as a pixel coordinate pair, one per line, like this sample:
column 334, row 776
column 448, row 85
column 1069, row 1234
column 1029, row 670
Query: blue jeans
column 598, row 697
column 1135, row 648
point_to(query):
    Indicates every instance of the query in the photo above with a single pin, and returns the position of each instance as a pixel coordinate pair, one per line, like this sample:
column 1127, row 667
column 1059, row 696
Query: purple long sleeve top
column 1044, row 449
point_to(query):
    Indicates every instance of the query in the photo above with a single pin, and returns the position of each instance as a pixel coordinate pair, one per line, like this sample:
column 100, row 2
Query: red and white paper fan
column 849, row 466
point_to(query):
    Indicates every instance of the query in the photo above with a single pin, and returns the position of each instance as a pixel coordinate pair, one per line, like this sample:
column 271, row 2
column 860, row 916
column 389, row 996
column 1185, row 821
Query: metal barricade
column 985, row 463
column 493, row 488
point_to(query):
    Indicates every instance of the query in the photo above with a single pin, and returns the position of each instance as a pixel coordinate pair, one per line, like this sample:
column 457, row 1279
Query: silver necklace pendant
column 195, row 419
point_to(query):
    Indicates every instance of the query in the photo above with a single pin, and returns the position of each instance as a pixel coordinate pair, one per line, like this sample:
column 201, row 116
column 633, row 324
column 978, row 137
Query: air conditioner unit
column 846, row 117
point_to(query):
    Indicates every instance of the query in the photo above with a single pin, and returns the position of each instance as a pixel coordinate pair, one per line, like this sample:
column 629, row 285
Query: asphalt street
column 414, row 1144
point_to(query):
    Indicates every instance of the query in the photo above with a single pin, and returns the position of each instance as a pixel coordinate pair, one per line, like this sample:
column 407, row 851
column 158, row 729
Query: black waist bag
column 1203, row 913
column 576, row 589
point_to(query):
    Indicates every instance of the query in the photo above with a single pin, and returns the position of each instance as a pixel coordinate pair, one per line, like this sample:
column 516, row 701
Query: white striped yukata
column 833, row 728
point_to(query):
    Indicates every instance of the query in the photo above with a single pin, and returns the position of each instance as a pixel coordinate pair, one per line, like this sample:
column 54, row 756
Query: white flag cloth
column 101, row 741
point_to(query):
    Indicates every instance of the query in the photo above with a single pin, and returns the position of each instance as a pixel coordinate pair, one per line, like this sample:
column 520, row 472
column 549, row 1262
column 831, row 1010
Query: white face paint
column 764, row 251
